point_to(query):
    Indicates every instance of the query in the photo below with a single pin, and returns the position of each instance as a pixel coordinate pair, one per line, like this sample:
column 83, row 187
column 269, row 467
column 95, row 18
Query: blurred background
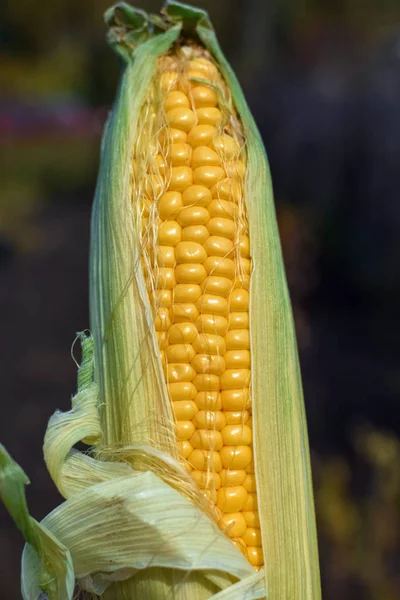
column 323, row 81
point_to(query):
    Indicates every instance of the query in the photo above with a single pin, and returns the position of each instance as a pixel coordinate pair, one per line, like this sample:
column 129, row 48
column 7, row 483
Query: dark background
column 323, row 81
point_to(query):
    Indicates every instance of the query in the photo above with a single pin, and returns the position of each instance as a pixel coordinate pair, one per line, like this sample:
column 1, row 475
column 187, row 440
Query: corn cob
column 187, row 186
column 198, row 484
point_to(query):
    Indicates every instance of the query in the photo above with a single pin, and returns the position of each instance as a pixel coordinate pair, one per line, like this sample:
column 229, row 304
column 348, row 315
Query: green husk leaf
column 134, row 404
column 53, row 572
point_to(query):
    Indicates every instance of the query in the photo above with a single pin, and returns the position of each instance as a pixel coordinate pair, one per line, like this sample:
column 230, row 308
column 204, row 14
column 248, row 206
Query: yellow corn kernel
column 176, row 99
column 202, row 135
column 234, row 524
column 200, row 267
column 204, row 156
column 206, row 479
column 198, row 195
column 181, row 154
column 191, row 273
column 180, row 372
column 181, row 118
column 231, row 499
column 208, row 363
column 203, row 96
column 195, row 233
column 226, row 146
column 193, row 215
column 232, row 477
column 169, row 205
column 210, row 419
column 184, row 410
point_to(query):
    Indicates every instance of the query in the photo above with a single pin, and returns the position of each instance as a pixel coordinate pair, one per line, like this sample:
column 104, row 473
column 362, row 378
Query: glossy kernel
column 186, row 292
column 218, row 246
column 211, row 323
column 219, row 265
column 209, row 115
column 181, row 154
column 209, row 343
column 236, row 400
column 169, row 205
column 173, row 136
column 217, row 286
column 232, row 477
column 251, row 517
column 177, row 372
column 181, row 178
column 234, row 524
column 180, row 353
column 182, row 333
column 250, row 485
column 184, row 390
column 204, row 460
column 235, row 378
column 190, row 252
column 206, row 439
column 237, row 339
column 255, row 555
column 221, row 227
column 206, row 382
column 169, row 233
column 181, row 118
column 251, row 502
column 208, row 303
column 204, row 156
column 190, row 273
column 244, row 246
column 236, row 457
column 237, row 359
column 195, row 233
column 185, row 448
column 207, row 176
column 193, row 215
column 227, row 189
column 236, row 417
column 208, row 400
column 206, row 479
column 196, row 195
column 163, row 298
column 162, row 321
column 231, row 499
column 238, row 320
column 236, row 435
column 204, row 96
column 184, row 410
column 201, row 135
column 208, row 363
column 184, row 429
column 227, row 146
column 210, row 419
column 239, row 300
column 184, row 312
column 222, row 208
column 166, row 278
column 176, row 99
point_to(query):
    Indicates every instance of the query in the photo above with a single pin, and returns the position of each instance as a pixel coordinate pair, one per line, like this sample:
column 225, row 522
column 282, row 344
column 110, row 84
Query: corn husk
column 133, row 524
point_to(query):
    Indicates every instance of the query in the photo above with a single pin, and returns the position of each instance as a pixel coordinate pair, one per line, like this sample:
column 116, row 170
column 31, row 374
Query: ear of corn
column 199, row 466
